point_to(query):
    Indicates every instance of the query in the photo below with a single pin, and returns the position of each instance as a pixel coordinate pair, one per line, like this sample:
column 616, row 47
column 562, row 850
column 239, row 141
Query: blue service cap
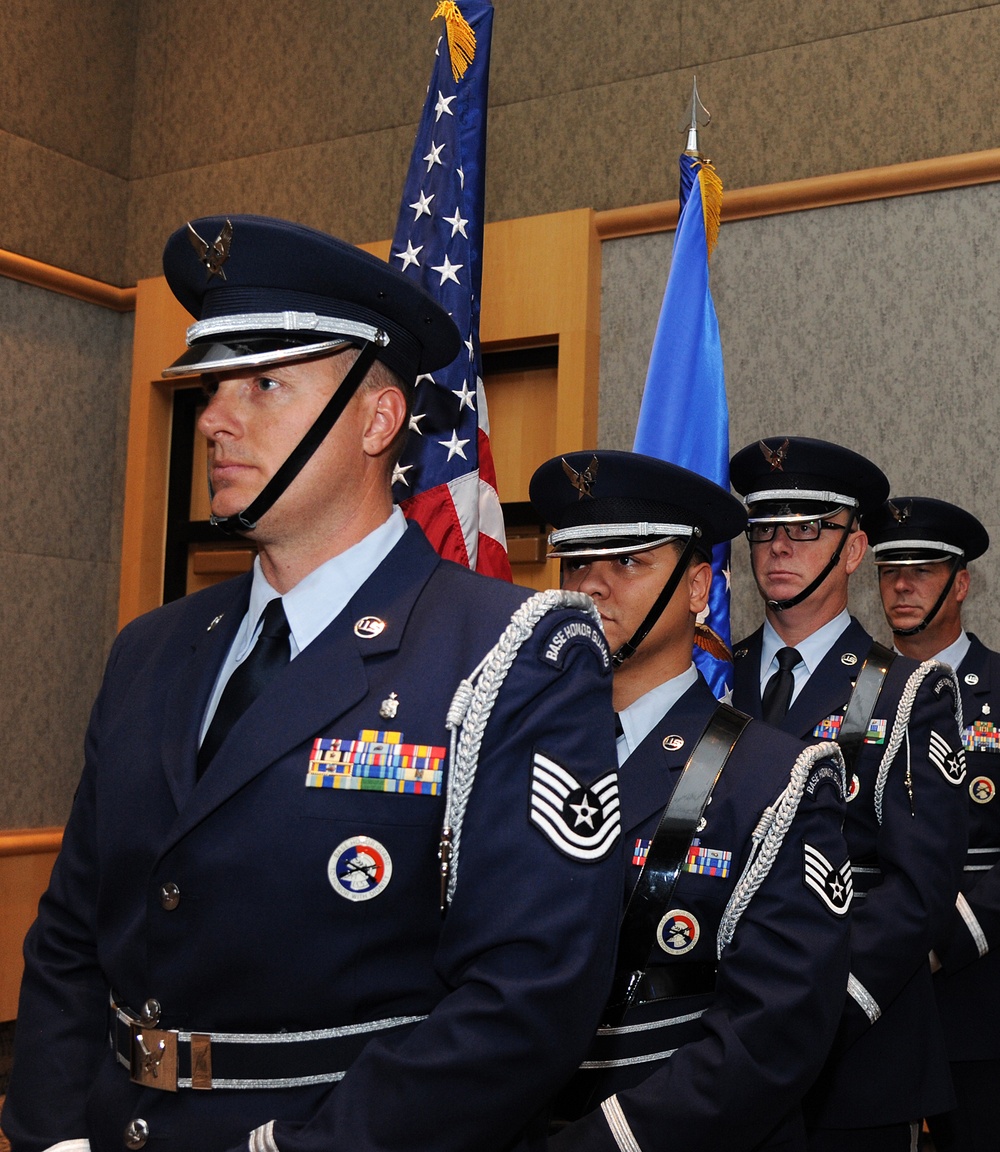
column 797, row 478
column 921, row 530
column 608, row 503
column 266, row 291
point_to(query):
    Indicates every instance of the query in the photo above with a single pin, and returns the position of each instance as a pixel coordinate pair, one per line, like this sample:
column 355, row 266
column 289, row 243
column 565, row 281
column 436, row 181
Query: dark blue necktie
column 778, row 690
column 270, row 654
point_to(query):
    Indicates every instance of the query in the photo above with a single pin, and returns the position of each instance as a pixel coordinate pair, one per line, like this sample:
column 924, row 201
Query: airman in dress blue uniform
column 307, row 900
column 813, row 671
column 923, row 548
column 733, row 953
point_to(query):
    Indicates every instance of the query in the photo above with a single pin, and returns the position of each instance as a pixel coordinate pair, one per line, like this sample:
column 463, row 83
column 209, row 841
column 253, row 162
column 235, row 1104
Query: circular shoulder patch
column 982, row 789
column 359, row 868
column 678, row 932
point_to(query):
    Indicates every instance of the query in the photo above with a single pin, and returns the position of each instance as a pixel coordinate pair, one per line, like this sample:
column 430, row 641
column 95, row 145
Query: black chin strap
column 640, row 634
column 246, row 520
column 781, row 605
column 956, row 564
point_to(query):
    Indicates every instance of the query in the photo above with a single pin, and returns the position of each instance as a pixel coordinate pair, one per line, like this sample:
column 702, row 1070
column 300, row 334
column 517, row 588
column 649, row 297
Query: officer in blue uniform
column 923, row 548
column 306, row 900
column 813, row 671
column 731, row 980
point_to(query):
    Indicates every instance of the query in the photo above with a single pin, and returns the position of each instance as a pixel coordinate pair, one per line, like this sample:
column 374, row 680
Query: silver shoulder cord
column 901, row 725
column 770, row 833
column 470, row 710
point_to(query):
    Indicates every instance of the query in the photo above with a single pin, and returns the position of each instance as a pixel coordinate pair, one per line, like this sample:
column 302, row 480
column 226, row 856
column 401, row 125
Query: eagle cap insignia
column 901, row 513
column 582, row 481
column 213, row 255
column 776, row 457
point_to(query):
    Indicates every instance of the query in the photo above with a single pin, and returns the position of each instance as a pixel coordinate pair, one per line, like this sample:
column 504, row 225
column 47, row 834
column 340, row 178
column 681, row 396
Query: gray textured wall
column 62, row 463
column 874, row 325
column 122, row 118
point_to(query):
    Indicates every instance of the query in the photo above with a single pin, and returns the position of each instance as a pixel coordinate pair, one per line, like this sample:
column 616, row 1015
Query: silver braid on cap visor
column 283, row 322
column 637, row 537
column 881, row 551
column 797, row 495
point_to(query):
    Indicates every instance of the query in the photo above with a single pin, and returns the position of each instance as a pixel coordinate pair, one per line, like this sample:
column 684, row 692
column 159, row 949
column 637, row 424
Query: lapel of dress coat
column 320, row 684
column 974, row 696
column 187, row 696
column 648, row 776
column 827, row 690
column 746, row 674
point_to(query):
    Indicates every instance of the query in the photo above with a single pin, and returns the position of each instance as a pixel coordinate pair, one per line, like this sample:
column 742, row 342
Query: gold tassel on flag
column 461, row 38
column 711, row 202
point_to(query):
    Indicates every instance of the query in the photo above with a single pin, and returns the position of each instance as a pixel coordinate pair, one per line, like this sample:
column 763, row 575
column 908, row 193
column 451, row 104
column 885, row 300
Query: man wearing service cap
column 310, row 896
column 922, row 549
column 734, row 942
column 814, row 672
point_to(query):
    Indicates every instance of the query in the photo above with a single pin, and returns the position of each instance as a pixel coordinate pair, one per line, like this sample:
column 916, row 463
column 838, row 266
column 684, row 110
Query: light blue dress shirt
column 313, row 604
column 955, row 653
column 811, row 651
column 642, row 715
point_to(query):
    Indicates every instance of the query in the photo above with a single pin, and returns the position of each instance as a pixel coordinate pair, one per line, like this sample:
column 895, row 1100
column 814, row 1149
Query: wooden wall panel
column 26, row 859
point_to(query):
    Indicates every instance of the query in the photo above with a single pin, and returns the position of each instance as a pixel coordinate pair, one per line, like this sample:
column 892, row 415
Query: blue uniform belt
column 171, row 1059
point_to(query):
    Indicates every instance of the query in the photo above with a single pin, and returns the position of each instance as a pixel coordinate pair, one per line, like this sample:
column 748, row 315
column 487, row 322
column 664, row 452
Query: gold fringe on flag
column 711, row 202
column 461, row 38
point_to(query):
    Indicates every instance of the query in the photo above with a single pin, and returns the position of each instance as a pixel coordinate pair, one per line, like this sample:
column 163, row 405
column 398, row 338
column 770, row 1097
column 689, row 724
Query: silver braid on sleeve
column 770, row 833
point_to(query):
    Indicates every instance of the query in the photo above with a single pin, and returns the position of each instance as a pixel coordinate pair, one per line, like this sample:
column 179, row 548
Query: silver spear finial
column 696, row 115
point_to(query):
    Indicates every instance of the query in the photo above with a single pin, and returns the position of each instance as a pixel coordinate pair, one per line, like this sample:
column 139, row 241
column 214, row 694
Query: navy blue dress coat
column 888, row 1064
column 968, row 986
column 263, row 937
column 733, row 1064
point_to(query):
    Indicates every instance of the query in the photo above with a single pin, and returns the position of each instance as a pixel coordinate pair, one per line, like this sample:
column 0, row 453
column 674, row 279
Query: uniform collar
column 319, row 598
column 811, row 650
column 642, row 715
column 956, row 652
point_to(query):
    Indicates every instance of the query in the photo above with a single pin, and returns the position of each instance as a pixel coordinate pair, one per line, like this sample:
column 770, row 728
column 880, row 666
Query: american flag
column 445, row 479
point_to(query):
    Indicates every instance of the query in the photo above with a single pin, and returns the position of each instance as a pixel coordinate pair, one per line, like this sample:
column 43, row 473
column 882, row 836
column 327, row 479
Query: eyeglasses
column 796, row 530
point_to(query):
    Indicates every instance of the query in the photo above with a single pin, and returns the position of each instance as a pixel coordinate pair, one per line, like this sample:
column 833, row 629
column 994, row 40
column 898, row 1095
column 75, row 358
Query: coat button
column 170, row 896
column 136, row 1134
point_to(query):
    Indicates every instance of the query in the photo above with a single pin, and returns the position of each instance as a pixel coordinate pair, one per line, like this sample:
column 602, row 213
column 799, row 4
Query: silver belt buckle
column 154, row 1057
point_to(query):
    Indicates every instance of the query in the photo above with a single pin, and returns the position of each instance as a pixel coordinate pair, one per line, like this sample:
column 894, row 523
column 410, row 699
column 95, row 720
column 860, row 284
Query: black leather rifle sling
column 861, row 705
column 668, row 850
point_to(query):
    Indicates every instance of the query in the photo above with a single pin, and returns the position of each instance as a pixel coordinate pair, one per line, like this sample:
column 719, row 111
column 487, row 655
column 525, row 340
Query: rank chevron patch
column 582, row 821
column 834, row 886
column 949, row 761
